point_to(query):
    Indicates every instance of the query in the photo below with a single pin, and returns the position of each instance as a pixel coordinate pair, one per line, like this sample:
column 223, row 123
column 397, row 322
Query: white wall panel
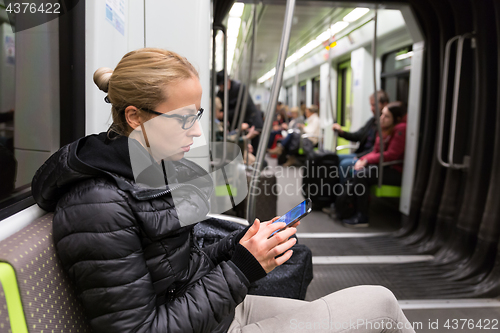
column 325, row 110
column 309, row 92
column 183, row 27
column 105, row 46
column 362, row 77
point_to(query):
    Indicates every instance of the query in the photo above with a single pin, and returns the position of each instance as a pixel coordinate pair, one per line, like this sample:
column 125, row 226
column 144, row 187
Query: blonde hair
column 140, row 79
column 313, row 108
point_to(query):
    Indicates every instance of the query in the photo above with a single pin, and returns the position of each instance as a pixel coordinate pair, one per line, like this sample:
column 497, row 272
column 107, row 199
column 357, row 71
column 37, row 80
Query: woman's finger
column 281, row 248
column 281, row 260
column 282, row 236
column 252, row 231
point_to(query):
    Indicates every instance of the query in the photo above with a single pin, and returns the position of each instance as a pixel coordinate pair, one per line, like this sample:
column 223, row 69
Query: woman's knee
column 379, row 300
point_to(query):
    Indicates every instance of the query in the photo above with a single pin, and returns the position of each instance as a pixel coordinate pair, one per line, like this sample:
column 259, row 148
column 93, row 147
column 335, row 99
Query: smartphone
column 295, row 214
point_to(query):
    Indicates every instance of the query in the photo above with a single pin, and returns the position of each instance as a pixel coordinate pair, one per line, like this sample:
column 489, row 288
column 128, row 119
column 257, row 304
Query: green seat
column 386, row 191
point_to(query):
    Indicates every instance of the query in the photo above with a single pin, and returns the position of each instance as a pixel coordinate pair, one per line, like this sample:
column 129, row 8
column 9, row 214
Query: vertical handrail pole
column 375, row 95
column 266, row 130
column 214, row 82
column 456, row 91
column 454, row 108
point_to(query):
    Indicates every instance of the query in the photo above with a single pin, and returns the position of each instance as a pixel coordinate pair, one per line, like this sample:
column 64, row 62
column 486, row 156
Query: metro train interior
column 433, row 240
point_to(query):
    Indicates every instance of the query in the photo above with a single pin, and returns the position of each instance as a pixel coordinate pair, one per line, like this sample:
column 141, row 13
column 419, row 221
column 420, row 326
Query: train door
column 344, row 101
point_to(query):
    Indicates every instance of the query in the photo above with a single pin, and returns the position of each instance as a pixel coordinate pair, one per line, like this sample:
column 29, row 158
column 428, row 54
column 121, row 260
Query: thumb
column 251, row 231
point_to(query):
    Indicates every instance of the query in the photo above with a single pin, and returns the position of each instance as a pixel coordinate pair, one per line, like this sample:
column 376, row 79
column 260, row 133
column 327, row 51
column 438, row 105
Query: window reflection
column 8, row 163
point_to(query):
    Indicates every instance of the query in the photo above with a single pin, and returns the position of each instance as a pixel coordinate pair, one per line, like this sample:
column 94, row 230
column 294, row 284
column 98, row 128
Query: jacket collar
column 182, row 167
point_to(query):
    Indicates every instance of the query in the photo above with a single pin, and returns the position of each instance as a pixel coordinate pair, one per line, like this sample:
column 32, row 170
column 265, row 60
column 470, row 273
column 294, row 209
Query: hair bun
column 101, row 78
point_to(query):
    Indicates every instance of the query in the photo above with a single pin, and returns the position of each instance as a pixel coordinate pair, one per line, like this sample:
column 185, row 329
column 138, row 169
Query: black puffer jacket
column 135, row 268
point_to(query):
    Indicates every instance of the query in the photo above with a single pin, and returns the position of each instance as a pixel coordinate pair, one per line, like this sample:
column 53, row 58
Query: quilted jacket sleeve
column 359, row 135
column 224, row 249
column 100, row 246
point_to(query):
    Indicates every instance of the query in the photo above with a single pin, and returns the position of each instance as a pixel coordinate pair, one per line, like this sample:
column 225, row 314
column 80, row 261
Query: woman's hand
column 264, row 248
column 360, row 164
column 338, row 128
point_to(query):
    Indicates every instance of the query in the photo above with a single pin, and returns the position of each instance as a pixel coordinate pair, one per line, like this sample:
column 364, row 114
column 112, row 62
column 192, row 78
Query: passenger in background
column 253, row 116
column 291, row 144
column 296, row 120
column 366, row 169
column 135, row 265
column 248, row 156
column 285, row 128
column 365, row 136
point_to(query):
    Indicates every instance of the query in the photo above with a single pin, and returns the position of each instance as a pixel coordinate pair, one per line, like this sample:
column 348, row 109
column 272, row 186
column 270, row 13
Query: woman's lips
column 186, row 148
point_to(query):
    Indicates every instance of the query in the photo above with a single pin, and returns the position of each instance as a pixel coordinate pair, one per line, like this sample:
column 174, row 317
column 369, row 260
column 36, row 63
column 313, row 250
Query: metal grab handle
column 342, row 147
column 456, row 90
column 442, row 106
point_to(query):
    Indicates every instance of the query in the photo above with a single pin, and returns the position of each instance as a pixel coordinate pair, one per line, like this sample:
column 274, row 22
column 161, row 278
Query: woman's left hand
column 360, row 164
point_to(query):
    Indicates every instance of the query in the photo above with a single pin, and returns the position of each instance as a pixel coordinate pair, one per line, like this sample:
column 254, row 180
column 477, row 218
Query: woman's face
column 166, row 137
column 386, row 119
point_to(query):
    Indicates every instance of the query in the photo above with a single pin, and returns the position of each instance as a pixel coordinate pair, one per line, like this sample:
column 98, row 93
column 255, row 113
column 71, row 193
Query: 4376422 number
column 471, row 324
column 31, row 7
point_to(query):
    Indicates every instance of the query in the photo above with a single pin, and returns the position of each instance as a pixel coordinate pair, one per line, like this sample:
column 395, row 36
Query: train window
column 395, row 75
column 303, row 91
column 36, row 83
column 315, row 91
column 344, row 93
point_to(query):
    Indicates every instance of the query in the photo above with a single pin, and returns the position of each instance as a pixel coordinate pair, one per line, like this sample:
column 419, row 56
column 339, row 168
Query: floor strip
column 343, row 260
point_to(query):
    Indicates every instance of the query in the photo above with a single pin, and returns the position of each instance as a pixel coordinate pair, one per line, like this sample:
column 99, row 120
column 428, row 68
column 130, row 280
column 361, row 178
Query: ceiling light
column 268, row 75
column 356, row 14
column 324, row 36
column 233, row 26
column 237, row 9
column 338, row 27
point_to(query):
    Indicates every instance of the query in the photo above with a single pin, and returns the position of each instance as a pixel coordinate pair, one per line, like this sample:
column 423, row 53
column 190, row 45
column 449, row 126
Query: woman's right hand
column 264, row 248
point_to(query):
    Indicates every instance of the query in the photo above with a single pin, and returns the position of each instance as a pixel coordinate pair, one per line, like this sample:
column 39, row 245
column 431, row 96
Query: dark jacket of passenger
column 135, row 268
column 365, row 136
column 253, row 116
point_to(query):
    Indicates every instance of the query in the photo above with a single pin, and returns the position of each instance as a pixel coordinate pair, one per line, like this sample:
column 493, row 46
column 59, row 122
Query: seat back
column 33, row 286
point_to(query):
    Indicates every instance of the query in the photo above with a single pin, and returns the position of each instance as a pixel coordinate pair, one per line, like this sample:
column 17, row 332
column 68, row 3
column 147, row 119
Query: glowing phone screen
column 293, row 214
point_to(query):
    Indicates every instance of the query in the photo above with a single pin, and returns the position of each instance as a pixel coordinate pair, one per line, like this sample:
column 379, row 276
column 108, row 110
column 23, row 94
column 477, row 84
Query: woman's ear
column 133, row 117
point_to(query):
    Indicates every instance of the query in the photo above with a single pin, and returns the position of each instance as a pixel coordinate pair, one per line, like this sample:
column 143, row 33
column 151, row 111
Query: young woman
column 131, row 256
column 366, row 170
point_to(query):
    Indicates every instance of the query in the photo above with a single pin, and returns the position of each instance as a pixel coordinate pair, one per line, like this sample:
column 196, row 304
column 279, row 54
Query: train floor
column 345, row 257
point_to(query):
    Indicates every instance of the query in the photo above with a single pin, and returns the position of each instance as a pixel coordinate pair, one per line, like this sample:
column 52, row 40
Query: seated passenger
column 290, row 145
column 366, row 170
column 135, row 265
column 365, row 136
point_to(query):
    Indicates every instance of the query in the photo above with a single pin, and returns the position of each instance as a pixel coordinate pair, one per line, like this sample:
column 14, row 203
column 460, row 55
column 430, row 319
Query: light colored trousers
column 359, row 309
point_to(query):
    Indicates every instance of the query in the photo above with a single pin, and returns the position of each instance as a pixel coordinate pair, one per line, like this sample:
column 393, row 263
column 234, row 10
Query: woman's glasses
column 188, row 120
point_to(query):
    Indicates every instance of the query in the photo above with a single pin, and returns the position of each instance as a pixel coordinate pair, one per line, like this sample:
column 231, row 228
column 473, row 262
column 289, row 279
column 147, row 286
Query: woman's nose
column 195, row 130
